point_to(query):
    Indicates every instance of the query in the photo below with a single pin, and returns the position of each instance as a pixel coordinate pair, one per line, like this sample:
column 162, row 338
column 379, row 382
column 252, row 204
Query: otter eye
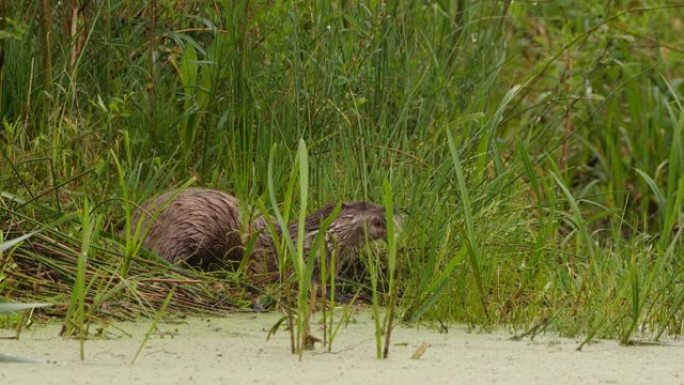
column 377, row 222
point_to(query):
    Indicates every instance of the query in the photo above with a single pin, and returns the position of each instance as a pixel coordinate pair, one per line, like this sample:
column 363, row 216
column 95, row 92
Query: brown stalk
column 151, row 85
column 45, row 43
column 3, row 15
column 73, row 27
column 568, row 126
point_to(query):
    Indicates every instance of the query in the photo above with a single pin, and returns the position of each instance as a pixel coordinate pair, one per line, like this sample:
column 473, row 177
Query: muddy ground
column 234, row 350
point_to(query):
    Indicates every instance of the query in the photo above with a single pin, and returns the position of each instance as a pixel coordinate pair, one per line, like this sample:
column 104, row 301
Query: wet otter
column 200, row 226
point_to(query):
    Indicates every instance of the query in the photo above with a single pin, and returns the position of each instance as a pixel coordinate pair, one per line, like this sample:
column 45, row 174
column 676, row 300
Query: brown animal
column 200, row 226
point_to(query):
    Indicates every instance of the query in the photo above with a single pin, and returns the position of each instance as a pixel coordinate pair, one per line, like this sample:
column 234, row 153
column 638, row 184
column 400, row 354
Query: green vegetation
column 536, row 148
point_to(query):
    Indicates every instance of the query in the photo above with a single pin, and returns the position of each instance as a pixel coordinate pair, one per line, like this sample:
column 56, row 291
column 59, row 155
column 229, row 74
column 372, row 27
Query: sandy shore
column 234, row 350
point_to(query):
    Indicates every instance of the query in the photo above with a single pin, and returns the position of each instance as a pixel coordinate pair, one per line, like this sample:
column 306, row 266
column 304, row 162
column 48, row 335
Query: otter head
column 361, row 221
column 356, row 223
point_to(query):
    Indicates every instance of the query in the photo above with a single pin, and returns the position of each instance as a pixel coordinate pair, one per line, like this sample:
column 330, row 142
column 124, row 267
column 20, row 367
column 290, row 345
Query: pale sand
column 234, row 350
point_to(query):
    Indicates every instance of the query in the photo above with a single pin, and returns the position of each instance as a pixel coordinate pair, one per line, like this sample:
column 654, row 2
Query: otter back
column 198, row 226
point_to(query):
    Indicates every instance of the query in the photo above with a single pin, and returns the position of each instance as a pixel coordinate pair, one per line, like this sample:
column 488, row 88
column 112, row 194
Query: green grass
column 536, row 149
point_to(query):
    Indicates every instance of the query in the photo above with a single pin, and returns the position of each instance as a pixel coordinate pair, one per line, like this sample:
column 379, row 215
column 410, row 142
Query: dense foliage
column 536, row 147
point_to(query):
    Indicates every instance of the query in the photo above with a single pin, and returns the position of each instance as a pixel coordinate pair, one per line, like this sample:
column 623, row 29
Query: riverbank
column 234, row 350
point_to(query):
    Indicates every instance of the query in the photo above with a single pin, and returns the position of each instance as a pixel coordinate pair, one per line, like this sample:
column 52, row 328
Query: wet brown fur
column 201, row 226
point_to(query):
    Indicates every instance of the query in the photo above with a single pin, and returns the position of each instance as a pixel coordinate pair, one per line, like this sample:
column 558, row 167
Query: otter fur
column 201, row 226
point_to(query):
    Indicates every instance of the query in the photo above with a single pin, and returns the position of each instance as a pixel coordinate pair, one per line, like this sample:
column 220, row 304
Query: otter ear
column 345, row 205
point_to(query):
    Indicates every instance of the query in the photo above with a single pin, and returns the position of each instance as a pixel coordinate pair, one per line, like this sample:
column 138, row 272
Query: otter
column 203, row 226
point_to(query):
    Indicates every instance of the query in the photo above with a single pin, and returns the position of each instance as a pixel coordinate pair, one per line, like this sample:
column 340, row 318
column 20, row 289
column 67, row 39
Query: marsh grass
column 307, row 288
column 75, row 320
column 153, row 325
column 390, row 315
column 537, row 150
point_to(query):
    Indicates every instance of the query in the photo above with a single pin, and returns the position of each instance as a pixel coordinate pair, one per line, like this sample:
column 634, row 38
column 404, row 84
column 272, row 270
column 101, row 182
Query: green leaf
column 659, row 197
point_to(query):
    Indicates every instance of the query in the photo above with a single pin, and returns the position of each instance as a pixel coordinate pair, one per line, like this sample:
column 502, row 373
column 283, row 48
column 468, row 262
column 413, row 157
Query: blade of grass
column 471, row 241
column 392, row 264
column 155, row 321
